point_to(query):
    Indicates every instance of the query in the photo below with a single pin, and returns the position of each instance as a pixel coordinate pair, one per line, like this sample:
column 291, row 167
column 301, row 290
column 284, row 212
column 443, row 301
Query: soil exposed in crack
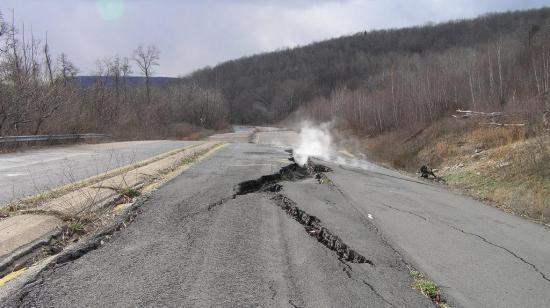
column 312, row 225
column 270, row 182
column 315, row 228
column 292, row 172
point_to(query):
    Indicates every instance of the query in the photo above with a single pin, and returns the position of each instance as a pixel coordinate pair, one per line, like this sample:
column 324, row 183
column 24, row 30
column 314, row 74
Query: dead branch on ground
column 503, row 124
column 471, row 113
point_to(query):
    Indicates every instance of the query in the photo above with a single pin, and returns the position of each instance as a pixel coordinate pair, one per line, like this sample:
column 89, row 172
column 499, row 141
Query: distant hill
column 88, row 81
column 267, row 87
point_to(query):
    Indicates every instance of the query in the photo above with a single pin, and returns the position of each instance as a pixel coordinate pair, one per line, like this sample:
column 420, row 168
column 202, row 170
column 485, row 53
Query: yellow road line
column 11, row 276
column 180, row 169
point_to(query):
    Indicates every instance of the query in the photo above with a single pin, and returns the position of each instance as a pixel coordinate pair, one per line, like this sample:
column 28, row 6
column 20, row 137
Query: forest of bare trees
column 373, row 82
column 41, row 94
column 397, row 79
column 415, row 91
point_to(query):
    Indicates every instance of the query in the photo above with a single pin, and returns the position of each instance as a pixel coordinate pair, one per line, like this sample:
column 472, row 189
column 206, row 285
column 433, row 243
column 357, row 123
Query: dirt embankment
column 508, row 167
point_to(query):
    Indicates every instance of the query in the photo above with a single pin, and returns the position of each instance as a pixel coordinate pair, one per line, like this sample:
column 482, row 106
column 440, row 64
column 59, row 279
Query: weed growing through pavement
column 131, row 192
column 77, row 227
column 428, row 288
column 324, row 179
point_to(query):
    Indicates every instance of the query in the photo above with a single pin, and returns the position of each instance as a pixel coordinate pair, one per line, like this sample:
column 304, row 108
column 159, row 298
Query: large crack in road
column 206, row 256
column 267, row 184
column 312, row 225
column 271, row 184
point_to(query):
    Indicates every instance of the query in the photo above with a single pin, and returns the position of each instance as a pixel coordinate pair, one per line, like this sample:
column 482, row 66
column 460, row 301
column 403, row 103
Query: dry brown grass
column 491, row 137
column 496, row 164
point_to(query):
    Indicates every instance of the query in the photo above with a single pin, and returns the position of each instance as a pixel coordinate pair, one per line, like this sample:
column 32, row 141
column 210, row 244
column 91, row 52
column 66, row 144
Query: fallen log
column 468, row 113
column 503, row 124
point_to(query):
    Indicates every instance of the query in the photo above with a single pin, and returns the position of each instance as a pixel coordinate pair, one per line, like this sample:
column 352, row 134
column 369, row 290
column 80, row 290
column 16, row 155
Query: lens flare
column 110, row 9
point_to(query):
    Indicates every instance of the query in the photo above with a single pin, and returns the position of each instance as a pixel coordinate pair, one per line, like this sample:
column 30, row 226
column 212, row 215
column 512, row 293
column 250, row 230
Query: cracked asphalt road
column 193, row 245
column 480, row 255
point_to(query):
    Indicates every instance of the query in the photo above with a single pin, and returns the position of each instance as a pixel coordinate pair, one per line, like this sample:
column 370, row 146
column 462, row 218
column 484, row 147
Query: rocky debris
column 292, row 172
column 426, row 172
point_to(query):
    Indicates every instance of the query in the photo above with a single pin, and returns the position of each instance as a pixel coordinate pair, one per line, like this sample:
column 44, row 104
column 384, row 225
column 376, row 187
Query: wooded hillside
column 385, row 79
column 372, row 82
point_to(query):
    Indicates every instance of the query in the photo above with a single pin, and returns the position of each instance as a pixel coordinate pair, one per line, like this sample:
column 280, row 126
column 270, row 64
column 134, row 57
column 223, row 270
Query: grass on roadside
column 509, row 167
column 77, row 227
column 131, row 192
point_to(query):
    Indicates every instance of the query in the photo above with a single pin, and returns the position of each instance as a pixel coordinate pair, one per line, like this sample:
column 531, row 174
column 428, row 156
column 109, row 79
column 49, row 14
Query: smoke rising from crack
column 323, row 141
column 313, row 141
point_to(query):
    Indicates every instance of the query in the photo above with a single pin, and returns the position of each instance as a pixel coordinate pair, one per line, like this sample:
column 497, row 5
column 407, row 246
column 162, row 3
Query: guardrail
column 33, row 138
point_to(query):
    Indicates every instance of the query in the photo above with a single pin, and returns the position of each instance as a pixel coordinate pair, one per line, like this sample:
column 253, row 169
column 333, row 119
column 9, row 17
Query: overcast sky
column 194, row 34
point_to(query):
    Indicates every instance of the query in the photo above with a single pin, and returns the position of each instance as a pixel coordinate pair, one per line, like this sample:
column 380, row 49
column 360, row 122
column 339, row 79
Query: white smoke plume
column 313, row 141
column 322, row 141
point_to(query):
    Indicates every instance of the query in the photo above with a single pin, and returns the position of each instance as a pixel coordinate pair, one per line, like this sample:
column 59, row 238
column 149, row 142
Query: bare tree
column 126, row 70
column 67, row 69
column 3, row 27
column 48, row 59
column 146, row 59
column 114, row 72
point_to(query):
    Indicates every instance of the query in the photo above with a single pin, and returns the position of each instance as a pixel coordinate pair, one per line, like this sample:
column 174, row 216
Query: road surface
column 34, row 171
column 480, row 255
column 195, row 245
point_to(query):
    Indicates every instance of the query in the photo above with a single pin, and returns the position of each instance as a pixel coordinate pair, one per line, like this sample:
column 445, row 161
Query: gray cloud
column 193, row 34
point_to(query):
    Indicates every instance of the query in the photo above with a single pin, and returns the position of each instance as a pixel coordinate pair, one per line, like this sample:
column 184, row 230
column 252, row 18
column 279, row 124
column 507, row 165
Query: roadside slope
column 507, row 166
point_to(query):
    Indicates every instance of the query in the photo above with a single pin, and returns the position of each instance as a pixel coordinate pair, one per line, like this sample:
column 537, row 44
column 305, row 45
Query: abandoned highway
column 32, row 171
column 234, row 231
